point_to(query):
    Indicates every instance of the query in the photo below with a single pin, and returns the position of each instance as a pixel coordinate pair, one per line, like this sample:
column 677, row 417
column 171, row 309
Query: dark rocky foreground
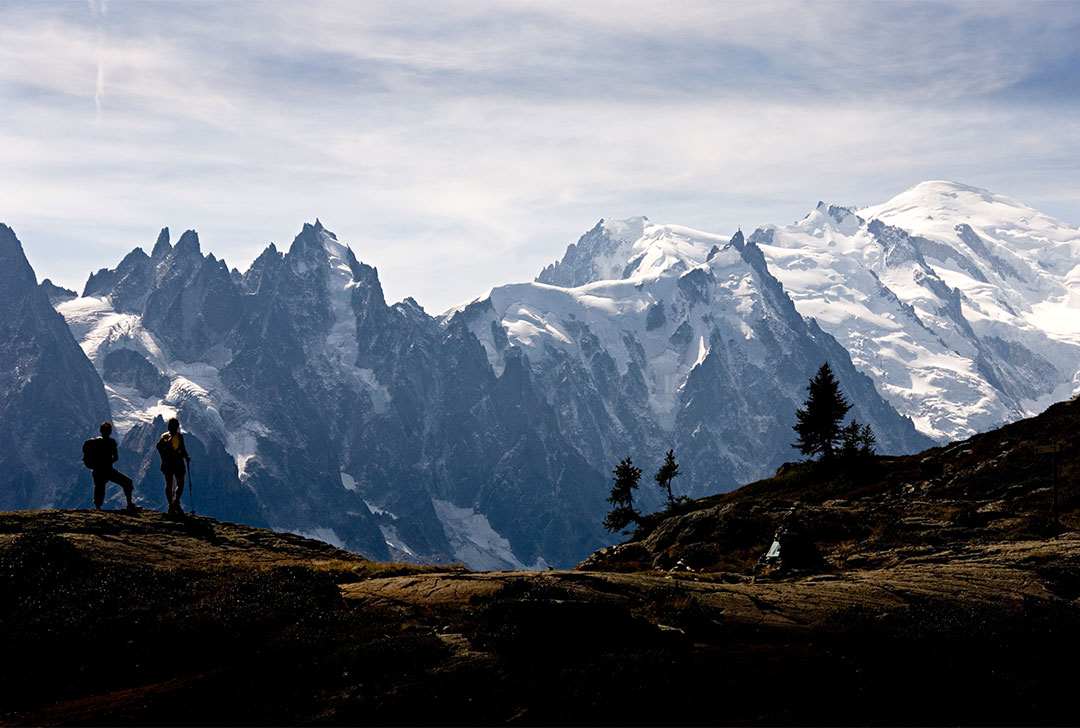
column 936, row 589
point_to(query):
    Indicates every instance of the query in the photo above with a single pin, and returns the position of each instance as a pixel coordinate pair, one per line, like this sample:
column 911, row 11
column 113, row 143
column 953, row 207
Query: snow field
column 929, row 371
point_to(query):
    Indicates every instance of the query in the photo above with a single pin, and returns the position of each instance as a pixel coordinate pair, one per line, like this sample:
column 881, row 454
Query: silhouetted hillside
column 997, row 486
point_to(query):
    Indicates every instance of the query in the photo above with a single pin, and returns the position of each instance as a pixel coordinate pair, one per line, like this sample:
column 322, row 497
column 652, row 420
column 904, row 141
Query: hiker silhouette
column 99, row 454
column 174, row 459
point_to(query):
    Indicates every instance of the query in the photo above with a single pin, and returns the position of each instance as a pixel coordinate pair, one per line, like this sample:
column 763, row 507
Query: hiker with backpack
column 99, row 454
column 174, row 459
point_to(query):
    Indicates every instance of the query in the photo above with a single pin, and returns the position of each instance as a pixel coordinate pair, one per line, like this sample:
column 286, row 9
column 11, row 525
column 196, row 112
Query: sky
column 458, row 146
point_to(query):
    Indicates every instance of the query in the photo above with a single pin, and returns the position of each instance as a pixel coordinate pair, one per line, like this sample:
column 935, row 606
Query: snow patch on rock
column 398, row 548
column 341, row 345
column 326, row 535
column 474, row 541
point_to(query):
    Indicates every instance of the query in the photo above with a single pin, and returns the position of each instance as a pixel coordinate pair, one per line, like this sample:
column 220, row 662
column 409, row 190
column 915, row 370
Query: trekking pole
column 190, row 488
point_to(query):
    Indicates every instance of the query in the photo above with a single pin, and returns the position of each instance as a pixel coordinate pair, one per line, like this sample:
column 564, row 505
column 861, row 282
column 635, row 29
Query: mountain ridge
column 981, row 292
column 684, row 306
column 339, row 330
column 289, row 369
column 321, row 408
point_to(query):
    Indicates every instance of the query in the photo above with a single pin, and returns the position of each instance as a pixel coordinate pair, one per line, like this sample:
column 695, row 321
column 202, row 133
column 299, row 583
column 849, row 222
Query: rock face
column 318, row 408
column 178, row 332
column 55, row 293
column 51, row 398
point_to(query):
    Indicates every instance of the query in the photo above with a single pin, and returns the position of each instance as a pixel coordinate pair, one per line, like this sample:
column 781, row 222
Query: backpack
column 165, row 448
column 91, row 452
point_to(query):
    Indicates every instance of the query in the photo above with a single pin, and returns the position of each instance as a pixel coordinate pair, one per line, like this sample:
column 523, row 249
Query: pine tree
column 667, row 472
column 818, row 425
column 867, row 441
column 622, row 497
column 857, row 450
column 857, row 441
column 849, row 441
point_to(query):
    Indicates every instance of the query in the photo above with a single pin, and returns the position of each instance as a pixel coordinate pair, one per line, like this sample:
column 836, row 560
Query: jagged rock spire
column 162, row 246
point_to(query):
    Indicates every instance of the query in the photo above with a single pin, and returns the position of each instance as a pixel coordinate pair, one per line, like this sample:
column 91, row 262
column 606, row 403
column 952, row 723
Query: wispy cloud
column 99, row 9
column 461, row 145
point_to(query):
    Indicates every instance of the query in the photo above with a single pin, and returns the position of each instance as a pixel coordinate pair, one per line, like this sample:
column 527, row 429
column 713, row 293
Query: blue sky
column 461, row 145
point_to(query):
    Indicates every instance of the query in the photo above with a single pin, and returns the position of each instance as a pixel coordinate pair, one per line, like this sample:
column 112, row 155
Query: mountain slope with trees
column 1019, row 482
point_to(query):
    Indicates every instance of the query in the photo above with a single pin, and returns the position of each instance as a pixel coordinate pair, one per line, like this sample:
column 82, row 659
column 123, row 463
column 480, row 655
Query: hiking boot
column 175, row 509
column 132, row 508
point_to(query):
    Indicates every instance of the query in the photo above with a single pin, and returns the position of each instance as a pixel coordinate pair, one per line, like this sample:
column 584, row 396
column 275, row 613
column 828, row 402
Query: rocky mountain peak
column 253, row 276
column 16, row 275
column 127, row 284
column 162, row 247
column 634, row 248
column 628, row 230
column 600, row 254
column 309, row 250
column 827, row 219
column 49, row 391
column 187, row 245
column 57, row 294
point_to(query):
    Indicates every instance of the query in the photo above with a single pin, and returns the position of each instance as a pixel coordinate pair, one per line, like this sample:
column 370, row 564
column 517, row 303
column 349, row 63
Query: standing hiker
column 174, row 459
column 99, row 454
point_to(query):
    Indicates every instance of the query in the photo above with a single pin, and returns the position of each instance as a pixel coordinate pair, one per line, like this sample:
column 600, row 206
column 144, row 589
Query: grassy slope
column 115, row 618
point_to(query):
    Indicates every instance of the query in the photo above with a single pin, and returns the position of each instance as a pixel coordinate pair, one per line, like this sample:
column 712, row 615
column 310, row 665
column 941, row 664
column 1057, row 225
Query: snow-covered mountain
column 488, row 434
column 485, row 435
column 647, row 337
column 962, row 305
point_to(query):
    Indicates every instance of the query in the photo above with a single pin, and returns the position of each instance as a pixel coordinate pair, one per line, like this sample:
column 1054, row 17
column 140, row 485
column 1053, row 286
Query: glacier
column 962, row 305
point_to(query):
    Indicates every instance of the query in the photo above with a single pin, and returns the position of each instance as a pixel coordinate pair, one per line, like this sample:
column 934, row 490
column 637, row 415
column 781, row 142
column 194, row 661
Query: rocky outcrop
column 57, row 294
